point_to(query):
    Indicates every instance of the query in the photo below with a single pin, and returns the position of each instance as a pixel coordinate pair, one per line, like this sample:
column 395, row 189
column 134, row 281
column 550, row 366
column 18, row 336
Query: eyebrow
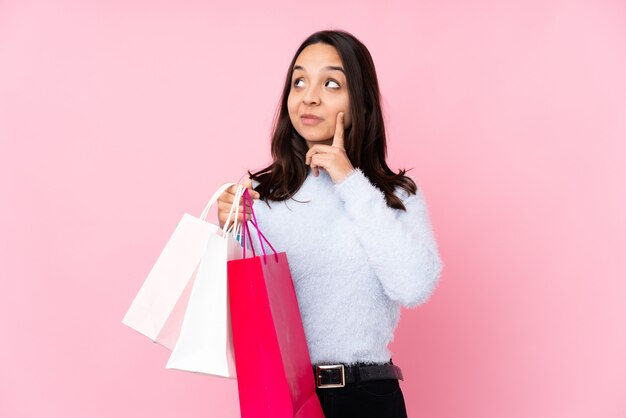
column 328, row 68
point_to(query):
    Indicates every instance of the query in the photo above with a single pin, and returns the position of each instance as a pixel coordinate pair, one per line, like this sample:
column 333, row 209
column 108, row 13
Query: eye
column 296, row 81
column 332, row 84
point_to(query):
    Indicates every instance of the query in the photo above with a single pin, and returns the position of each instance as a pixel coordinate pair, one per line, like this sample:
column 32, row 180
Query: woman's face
column 318, row 93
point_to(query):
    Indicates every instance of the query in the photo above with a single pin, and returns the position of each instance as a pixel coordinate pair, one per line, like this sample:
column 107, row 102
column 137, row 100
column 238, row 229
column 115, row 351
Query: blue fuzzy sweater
column 354, row 262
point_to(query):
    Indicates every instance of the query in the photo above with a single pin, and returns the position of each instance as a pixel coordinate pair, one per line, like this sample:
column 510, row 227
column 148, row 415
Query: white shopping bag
column 158, row 309
column 205, row 343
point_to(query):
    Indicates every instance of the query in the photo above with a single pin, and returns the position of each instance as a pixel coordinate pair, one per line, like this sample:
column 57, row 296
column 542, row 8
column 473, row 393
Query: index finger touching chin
column 338, row 138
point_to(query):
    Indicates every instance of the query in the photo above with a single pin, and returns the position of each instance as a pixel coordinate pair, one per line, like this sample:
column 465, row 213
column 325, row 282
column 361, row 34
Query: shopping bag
column 157, row 310
column 274, row 373
column 205, row 341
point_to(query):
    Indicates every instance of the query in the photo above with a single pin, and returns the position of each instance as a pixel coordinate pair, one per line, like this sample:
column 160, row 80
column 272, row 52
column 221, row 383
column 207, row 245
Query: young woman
column 357, row 235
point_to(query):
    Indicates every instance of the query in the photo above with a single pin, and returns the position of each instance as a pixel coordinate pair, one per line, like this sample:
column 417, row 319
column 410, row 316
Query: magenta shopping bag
column 274, row 373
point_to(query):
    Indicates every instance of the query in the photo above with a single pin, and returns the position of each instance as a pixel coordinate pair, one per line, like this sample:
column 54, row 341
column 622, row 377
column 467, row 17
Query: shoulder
column 403, row 193
column 357, row 183
column 413, row 202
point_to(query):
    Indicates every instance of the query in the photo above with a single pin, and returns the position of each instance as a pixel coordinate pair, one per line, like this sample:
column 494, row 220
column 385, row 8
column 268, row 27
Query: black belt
column 338, row 375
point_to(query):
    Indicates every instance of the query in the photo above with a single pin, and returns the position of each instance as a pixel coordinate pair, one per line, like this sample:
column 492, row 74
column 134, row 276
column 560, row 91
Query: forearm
column 400, row 245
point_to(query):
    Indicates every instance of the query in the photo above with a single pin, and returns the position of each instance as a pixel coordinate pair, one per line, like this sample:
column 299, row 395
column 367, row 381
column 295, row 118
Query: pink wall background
column 118, row 116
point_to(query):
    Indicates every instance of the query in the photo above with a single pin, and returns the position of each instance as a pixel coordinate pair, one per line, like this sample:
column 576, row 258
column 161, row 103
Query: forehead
column 318, row 55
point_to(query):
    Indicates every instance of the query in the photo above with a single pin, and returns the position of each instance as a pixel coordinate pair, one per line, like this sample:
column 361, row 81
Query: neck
column 311, row 143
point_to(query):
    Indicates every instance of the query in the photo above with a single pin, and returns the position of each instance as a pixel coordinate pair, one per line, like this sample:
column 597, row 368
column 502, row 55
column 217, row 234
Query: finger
column 224, row 210
column 315, row 149
column 318, row 149
column 309, row 154
column 227, row 203
column 242, row 212
column 338, row 138
column 231, row 190
column 227, row 196
column 232, row 220
column 226, row 199
column 253, row 193
column 240, row 218
column 318, row 161
column 241, row 208
column 323, row 160
column 222, row 217
column 224, row 206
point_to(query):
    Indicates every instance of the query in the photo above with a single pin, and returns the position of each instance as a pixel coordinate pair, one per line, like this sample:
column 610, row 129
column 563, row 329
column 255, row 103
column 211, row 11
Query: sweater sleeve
column 400, row 245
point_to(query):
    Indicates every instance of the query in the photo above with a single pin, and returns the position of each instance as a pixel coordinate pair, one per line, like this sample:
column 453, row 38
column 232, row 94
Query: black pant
column 373, row 399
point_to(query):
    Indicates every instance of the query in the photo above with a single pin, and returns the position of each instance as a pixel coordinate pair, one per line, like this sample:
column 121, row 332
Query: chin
column 312, row 137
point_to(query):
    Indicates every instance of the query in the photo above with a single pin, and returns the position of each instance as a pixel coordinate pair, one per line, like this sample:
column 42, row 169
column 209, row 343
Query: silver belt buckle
column 318, row 379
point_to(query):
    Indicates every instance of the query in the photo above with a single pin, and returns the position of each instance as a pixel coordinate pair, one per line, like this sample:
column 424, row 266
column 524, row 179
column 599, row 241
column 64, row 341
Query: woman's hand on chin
column 332, row 158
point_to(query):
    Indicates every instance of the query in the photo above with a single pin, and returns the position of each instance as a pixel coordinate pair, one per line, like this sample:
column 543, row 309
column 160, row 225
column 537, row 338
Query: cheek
column 292, row 107
column 344, row 105
column 347, row 116
column 347, row 120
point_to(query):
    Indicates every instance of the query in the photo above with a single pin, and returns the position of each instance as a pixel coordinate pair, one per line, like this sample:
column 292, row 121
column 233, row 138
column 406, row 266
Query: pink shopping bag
column 274, row 373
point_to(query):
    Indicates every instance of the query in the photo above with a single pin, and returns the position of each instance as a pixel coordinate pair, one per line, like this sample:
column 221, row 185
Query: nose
column 311, row 96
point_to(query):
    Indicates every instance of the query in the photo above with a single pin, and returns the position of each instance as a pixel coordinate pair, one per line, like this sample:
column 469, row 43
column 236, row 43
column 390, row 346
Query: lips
column 310, row 119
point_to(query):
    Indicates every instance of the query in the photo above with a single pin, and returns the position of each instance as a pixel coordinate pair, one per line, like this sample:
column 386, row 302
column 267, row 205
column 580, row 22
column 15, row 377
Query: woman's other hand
column 225, row 202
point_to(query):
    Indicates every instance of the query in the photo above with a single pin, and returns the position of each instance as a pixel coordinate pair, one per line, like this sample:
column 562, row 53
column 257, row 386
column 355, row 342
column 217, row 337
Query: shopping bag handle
column 247, row 229
column 247, row 200
column 214, row 198
column 234, row 208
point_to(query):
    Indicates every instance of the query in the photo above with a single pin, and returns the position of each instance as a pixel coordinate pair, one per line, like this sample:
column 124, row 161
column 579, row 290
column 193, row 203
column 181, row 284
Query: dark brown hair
column 365, row 141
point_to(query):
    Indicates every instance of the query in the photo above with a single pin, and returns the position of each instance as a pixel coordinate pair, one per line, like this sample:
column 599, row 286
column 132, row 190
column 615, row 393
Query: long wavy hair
column 365, row 141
